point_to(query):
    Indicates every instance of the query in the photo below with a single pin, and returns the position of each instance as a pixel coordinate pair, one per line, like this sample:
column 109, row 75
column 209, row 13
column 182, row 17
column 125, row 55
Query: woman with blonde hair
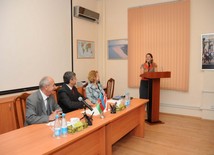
column 94, row 88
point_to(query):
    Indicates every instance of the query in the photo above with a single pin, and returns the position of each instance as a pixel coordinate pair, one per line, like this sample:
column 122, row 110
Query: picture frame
column 118, row 49
column 85, row 49
column 207, row 51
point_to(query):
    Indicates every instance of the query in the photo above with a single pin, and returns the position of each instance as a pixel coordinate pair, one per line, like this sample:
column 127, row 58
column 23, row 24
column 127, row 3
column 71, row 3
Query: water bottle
column 64, row 126
column 57, row 127
column 127, row 99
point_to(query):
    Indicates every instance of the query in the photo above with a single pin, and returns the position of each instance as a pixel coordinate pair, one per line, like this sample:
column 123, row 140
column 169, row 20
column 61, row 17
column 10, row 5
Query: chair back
column 110, row 88
column 84, row 89
column 19, row 105
column 56, row 92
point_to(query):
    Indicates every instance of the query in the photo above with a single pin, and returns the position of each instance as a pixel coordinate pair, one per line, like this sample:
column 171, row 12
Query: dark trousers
column 146, row 93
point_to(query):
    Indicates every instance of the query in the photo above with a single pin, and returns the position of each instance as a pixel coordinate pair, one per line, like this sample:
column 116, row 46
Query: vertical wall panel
column 164, row 31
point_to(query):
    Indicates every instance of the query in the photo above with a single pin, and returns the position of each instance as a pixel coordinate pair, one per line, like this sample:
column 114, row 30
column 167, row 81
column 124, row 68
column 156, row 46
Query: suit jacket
column 68, row 99
column 35, row 108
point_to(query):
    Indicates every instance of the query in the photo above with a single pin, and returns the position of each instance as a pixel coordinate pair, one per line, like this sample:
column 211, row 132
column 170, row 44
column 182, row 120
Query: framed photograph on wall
column 118, row 49
column 207, row 52
column 85, row 49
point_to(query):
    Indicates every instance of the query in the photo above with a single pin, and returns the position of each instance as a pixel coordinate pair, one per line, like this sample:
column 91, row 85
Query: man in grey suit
column 41, row 106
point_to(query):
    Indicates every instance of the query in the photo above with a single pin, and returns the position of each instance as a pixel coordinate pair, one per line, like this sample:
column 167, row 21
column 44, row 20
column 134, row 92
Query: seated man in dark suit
column 68, row 95
column 41, row 106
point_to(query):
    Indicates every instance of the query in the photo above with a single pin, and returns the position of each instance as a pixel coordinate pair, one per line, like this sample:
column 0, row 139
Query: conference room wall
column 113, row 25
column 88, row 31
column 198, row 101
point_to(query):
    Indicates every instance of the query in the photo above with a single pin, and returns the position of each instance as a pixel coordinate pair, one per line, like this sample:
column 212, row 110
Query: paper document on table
column 96, row 112
column 89, row 112
column 52, row 123
column 112, row 101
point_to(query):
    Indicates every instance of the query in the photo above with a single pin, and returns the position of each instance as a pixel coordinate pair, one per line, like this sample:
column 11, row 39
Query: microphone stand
column 88, row 119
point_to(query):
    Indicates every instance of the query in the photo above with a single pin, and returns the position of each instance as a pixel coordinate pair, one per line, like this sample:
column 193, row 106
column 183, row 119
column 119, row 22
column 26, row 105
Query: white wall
column 200, row 98
column 85, row 30
column 196, row 99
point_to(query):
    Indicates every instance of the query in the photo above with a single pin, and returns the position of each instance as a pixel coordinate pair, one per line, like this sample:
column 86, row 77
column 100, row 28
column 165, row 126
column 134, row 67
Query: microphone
column 86, row 104
column 148, row 66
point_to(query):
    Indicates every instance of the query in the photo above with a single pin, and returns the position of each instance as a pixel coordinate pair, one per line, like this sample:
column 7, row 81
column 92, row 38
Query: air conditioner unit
column 81, row 12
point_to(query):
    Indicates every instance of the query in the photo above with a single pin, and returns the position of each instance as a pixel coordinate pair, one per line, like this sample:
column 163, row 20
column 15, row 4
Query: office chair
column 19, row 105
column 84, row 89
column 56, row 92
column 109, row 90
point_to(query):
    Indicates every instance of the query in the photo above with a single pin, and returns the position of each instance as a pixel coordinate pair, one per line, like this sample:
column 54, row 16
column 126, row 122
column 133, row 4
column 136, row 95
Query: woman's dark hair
column 150, row 56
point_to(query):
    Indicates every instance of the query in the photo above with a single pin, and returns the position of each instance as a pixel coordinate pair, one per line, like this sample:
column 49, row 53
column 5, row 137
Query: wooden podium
column 154, row 97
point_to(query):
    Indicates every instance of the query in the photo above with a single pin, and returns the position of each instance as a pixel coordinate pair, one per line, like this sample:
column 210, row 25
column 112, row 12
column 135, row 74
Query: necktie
column 48, row 107
column 72, row 90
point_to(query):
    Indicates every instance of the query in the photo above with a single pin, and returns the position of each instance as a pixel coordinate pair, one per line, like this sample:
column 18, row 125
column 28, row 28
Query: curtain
column 163, row 30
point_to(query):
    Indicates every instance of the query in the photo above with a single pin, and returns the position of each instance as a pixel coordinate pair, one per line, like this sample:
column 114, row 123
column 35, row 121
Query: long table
column 96, row 139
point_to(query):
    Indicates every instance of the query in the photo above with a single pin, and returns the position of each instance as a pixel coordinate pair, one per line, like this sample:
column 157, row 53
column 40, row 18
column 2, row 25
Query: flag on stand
column 101, row 105
column 103, row 100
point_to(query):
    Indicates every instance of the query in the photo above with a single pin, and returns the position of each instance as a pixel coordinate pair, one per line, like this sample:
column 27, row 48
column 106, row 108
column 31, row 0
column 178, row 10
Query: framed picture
column 207, row 52
column 118, row 49
column 85, row 49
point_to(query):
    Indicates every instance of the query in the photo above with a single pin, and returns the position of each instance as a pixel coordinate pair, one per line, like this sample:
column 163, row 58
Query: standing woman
column 94, row 88
column 146, row 84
